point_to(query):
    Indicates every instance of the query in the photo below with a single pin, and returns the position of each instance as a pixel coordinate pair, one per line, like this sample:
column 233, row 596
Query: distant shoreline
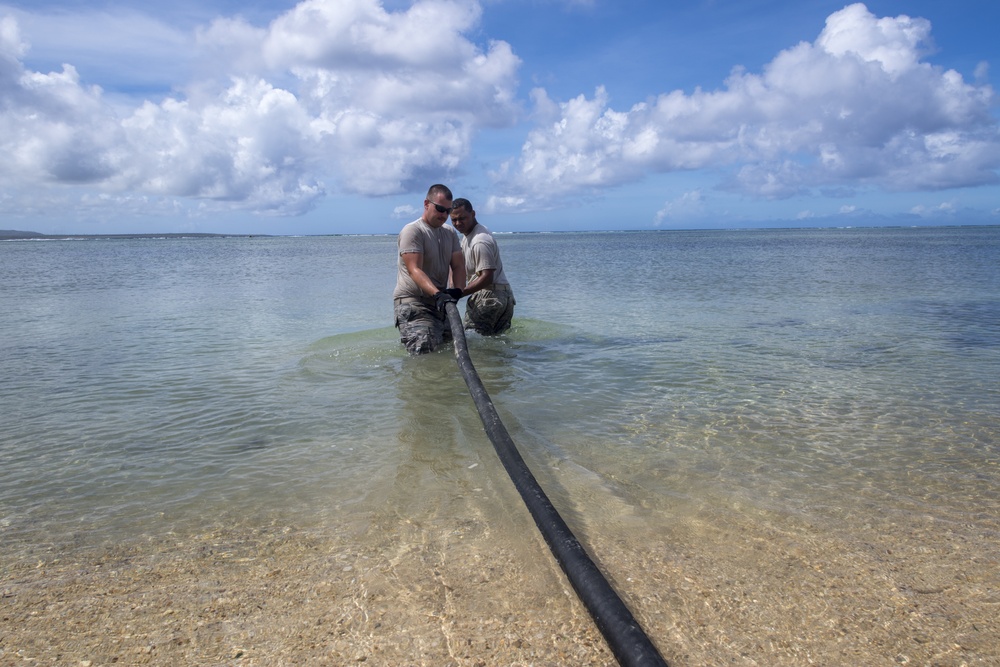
column 15, row 235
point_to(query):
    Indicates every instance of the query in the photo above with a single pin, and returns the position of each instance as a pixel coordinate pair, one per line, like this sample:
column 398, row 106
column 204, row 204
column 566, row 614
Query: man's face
column 463, row 220
column 436, row 210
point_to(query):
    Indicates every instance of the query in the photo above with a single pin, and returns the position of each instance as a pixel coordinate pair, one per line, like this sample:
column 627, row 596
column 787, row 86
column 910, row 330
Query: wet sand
column 722, row 588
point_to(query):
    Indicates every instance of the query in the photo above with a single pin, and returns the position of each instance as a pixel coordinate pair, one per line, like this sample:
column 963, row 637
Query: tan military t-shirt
column 437, row 247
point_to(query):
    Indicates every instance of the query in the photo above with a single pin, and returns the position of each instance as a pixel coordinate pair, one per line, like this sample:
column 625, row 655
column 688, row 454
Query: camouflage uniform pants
column 422, row 328
column 489, row 311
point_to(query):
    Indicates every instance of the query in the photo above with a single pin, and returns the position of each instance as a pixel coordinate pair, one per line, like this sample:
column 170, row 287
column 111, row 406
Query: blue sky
column 334, row 116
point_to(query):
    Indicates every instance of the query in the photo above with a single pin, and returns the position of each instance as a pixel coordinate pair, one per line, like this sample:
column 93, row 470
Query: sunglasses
column 441, row 209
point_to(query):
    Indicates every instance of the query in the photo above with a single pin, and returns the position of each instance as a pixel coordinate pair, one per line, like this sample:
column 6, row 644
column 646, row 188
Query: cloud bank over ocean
column 352, row 99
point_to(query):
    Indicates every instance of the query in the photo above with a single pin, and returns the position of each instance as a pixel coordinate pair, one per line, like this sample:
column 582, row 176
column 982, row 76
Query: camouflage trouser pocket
column 490, row 304
column 489, row 313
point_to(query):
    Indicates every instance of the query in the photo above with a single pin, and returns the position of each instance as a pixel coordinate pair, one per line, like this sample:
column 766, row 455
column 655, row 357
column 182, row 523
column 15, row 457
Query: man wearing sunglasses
column 428, row 252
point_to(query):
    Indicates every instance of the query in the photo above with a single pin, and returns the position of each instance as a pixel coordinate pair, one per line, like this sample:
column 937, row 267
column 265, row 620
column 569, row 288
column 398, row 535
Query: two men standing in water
column 430, row 253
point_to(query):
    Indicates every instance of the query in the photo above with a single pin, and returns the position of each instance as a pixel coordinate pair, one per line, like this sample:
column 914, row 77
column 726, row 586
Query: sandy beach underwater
column 450, row 588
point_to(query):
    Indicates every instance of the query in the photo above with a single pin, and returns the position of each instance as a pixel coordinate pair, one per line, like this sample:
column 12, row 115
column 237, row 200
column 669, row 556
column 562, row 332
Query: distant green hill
column 14, row 234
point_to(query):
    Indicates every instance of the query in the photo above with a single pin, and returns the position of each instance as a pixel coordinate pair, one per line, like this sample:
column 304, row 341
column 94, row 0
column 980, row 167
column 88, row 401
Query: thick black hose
column 623, row 633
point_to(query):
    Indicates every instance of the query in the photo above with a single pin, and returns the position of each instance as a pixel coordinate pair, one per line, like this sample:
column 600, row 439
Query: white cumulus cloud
column 690, row 204
column 333, row 95
column 858, row 107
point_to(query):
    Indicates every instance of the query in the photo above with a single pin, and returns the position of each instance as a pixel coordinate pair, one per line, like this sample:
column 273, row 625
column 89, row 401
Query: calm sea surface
column 170, row 385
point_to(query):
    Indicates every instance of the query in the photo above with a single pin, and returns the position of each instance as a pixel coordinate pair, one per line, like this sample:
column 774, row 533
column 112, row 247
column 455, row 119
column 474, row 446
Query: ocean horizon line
column 20, row 235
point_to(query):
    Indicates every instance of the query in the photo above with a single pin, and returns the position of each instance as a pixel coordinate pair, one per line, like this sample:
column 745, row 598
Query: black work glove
column 455, row 293
column 440, row 299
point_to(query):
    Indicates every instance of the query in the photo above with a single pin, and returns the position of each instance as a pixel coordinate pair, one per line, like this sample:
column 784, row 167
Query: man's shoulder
column 416, row 225
column 412, row 236
column 481, row 234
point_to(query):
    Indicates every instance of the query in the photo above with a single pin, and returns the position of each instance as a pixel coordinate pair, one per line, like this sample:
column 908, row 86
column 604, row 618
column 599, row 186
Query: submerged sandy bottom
column 455, row 587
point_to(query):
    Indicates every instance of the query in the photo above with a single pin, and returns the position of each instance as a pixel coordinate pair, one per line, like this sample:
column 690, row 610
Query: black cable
column 623, row 633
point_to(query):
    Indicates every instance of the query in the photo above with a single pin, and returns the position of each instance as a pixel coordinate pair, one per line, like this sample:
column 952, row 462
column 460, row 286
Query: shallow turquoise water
column 168, row 385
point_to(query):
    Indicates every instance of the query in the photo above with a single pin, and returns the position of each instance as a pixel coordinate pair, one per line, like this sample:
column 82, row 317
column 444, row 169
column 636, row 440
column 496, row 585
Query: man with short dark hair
column 428, row 252
column 491, row 301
